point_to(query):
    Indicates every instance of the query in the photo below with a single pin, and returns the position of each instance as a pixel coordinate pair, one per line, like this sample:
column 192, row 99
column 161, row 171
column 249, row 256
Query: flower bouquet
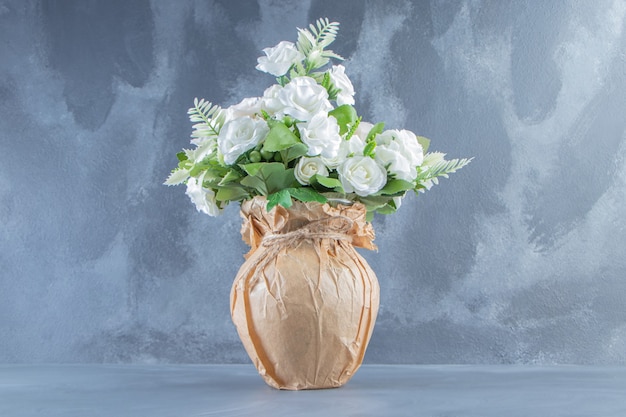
column 309, row 174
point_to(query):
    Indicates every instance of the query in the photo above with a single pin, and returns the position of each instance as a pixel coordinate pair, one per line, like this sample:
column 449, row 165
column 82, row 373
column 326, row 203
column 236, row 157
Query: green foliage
column 327, row 183
column 283, row 197
column 294, row 152
column 279, row 138
column 396, row 187
column 177, row 176
column 424, row 142
column 329, row 86
column 231, row 193
column 313, row 41
column 266, row 178
column 353, row 127
column 345, row 115
column 208, row 119
column 369, row 149
column 443, row 168
column 375, row 130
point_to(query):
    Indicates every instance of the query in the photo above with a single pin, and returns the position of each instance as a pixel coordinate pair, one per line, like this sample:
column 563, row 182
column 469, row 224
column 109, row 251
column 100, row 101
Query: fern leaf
column 331, row 54
column 443, row 168
column 325, row 33
column 318, row 37
column 177, row 176
column 208, row 118
column 306, row 41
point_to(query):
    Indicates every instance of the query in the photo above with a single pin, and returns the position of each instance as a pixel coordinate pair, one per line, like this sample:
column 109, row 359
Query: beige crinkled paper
column 305, row 302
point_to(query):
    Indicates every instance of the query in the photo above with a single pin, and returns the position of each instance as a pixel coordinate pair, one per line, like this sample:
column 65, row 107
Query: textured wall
column 519, row 258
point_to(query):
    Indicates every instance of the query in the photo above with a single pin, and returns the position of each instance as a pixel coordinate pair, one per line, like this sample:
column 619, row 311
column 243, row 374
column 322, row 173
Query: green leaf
column 282, row 197
column 279, row 137
column 425, row 142
column 326, row 81
column 345, row 115
column 231, row 193
column 231, row 176
column 182, row 156
column 387, row 209
column 369, row 149
column 296, row 151
column 256, row 183
column 377, row 129
column 327, row 182
column 443, row 168
column 372, row 203
column 212, row 177
column 268, row 177
column 395, row 187
column 252, row 169
column 208, row 118
column 177, row 176
column 210, row 164
column 307, row 194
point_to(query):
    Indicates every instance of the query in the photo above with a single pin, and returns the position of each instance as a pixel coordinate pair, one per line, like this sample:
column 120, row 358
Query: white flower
column 321, row 135
column 353, row 146
column 307, row 167
column 279, row 59
column 271, row 103
column 362, row 175
column 400, row 152
column 247, row 107
column 341, row 81
column 203, row 198
column 363, row 129
column 303, row 98
column 239, row 135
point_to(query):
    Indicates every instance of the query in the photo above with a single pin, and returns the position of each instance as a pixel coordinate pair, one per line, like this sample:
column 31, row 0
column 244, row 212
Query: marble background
column 519, row 258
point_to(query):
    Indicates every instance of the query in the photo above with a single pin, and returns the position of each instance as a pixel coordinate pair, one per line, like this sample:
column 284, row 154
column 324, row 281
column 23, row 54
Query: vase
column 305, row 302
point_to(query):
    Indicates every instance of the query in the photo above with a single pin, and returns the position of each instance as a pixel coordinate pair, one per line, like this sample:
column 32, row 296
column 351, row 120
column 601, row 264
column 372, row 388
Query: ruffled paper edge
column 257, row 222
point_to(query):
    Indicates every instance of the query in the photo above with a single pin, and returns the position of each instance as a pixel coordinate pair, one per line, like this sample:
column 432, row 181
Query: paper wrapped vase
column 304, row 302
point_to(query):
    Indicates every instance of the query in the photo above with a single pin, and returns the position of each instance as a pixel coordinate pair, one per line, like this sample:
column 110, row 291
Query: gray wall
column 519, row 258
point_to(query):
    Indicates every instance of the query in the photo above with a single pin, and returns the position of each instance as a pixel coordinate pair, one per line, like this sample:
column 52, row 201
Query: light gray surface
column 519, row 258
column 376, row 390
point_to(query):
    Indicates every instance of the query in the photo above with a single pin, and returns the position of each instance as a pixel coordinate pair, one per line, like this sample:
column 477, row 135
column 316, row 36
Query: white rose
column 363, row 129
column 411, row 147
column 279, row 59
column 362, row 175
column 239, row 135
column 203, row 198
column 353, row 146
column 303, row 97
column 400, row 152
column 341, row 81
column 321, row 135
column 270, row 102
column 247, row 107
column 307, row 167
